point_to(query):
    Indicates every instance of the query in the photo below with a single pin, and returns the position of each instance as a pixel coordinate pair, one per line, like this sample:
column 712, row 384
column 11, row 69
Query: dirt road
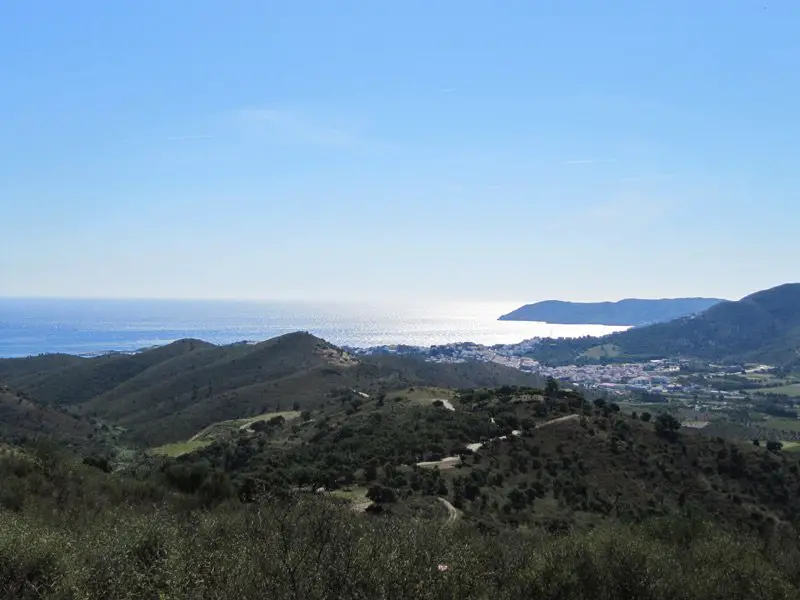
column 453, row 513
column 559, row 420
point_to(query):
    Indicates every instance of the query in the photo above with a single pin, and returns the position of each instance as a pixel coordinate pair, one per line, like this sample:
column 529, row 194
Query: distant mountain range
column 763, row 327
column 632, row 311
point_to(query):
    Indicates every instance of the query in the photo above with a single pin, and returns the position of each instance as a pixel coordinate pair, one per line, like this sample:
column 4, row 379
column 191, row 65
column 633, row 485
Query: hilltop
column 762, row 327
column 167, row 393
column 629, row 312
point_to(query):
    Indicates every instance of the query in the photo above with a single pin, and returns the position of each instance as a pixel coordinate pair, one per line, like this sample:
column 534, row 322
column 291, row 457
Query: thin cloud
column 589, row 161
column 188, row 138
column 294, row 128
column 657, row 177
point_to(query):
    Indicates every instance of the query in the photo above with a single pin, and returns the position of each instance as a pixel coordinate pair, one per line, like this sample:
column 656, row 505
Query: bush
column 381, row 495
column 774, row 447
column 667, row 426
column 98, row 462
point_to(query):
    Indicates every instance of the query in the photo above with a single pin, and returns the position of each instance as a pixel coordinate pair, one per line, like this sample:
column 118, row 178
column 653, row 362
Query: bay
column 36, row 326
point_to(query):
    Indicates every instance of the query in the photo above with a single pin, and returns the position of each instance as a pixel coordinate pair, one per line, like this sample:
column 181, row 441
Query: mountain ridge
column 627, row 312
column 162, row 394
column 761, row 327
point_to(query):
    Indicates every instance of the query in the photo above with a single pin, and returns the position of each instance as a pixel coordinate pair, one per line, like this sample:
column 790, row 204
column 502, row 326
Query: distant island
column 633, row 312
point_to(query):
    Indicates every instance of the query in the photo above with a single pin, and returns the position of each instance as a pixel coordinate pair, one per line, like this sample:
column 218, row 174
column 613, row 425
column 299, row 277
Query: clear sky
column 387, row 149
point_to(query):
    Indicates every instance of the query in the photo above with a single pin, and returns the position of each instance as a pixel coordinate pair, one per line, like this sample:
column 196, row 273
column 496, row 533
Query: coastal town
column 704, row 384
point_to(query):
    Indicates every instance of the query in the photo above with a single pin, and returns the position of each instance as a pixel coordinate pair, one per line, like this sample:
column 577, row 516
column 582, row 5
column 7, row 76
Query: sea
column 85, row 327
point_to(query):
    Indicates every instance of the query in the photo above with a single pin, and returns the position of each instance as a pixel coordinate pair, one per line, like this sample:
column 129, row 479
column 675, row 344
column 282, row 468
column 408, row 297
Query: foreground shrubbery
column 70, row 531
column 310, row 548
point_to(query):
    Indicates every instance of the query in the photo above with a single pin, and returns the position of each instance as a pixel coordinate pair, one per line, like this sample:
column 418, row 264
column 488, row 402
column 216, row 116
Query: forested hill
column 633, row 312
column 165, row 393
column 764, row 327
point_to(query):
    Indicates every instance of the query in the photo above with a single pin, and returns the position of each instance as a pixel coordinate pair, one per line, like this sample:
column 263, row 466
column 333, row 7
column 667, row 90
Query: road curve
column 452, row 512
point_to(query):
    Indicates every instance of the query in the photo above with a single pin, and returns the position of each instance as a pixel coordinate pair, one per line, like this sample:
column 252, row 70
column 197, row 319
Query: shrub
column 667, row 426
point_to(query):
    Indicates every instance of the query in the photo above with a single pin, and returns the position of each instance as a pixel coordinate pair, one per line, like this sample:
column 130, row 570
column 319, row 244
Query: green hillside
column 22, row 418
column 165, row 394
column 347, row 501
column 762, row 327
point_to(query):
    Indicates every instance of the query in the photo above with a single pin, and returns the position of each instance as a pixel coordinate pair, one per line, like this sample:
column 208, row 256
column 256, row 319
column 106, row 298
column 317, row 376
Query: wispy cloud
column 589, row 161
column 656, row 177
column 298, row 129
column 188, row 138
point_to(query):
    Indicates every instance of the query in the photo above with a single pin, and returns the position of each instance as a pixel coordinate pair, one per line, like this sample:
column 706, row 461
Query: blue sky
column 441, row 149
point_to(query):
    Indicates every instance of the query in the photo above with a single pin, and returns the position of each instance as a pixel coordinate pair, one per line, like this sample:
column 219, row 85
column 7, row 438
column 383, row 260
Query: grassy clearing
column 223, row 428
column 422, row 395
column 286, row 414
column 353, row 494
column 781, row 424
column 603, row 351
column 356, row 496
column 217, row 431
column 180, row 448
column 788, row 390
column 791, row 446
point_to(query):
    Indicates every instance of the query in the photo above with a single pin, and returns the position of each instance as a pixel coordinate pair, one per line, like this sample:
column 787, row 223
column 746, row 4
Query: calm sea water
column 84, row 326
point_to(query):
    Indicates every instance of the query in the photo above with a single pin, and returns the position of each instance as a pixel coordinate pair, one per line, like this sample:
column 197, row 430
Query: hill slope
column 23, row 418
column 633, row 312
column 165, row 394
column 764, row 327
column 570, row 461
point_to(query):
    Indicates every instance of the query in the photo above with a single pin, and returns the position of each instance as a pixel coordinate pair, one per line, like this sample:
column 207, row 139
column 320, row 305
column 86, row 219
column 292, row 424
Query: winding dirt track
column 453, row 512
column 558, row 420
column 450, row 462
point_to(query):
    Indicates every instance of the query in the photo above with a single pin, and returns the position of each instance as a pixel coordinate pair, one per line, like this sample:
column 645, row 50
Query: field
column 218, row 431
column 791, row 446
column 356, row 496
column 781, row 424
column 215, row 430
column 788, row 390
column 422, row 395
column 603, row 351
column 180, row 448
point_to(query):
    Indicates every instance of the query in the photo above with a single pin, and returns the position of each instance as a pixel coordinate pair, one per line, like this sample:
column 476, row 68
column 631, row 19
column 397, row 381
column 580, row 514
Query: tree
column 381, row 494
column 551, row 389
column 646, row 416
column 98, row 462
column 774, row 447
column 667, row 426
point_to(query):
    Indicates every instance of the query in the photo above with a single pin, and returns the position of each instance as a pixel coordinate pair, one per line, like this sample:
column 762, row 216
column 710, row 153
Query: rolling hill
column 571, row 462
column 631, row 311
column 762, row 327
column 22, row 418
column 167, row 393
